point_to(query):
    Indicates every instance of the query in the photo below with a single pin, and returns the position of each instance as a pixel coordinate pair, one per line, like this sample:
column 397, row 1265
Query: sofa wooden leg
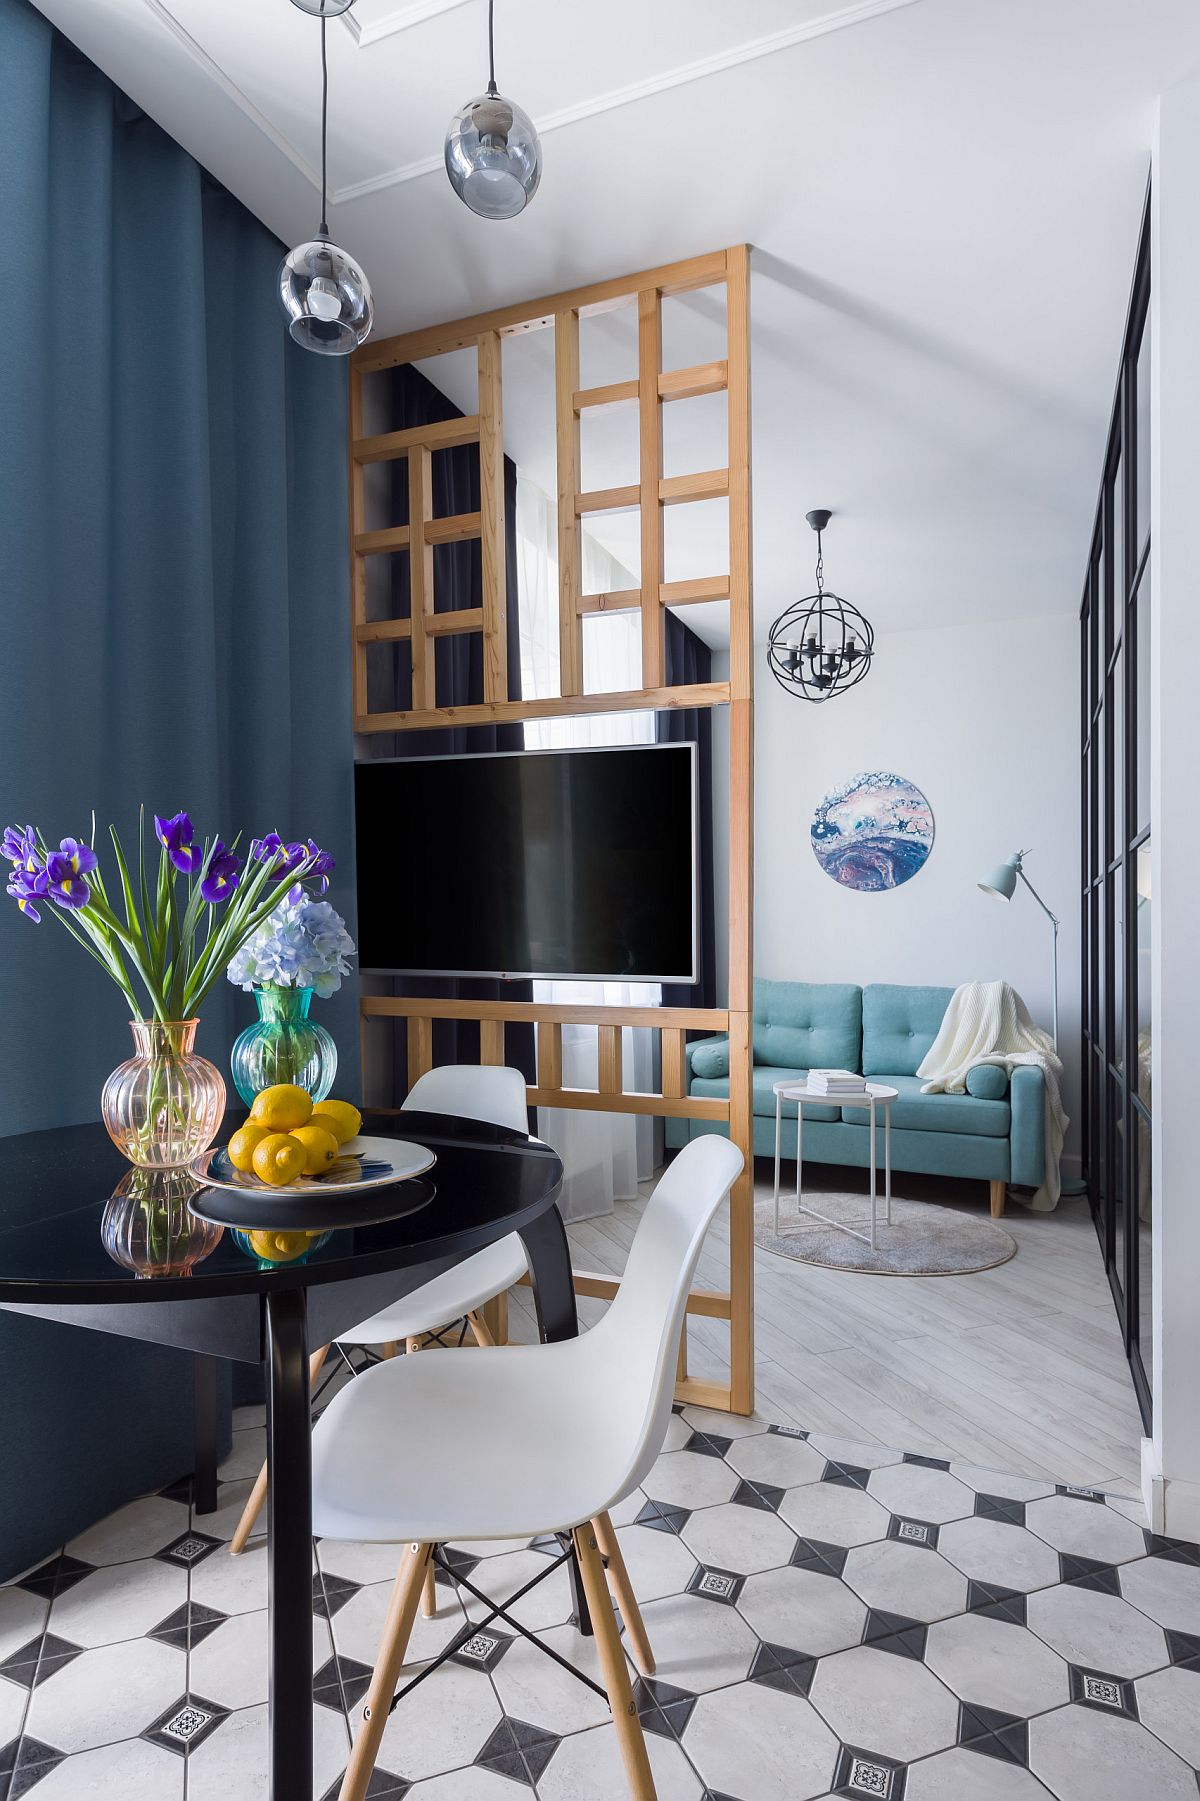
column 998, row 1191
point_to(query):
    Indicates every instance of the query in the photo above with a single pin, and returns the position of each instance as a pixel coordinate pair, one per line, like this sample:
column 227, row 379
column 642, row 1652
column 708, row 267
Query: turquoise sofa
column 994, row 1133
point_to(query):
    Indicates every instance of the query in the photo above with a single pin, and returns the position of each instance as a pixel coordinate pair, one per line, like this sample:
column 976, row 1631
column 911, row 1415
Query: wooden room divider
column 652, row 389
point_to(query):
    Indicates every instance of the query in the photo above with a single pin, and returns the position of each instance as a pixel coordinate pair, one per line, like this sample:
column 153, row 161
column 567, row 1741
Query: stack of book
column 835, row 1081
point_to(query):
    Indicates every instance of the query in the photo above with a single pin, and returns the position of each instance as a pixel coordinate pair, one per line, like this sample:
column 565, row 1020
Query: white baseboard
column 1173, row 1505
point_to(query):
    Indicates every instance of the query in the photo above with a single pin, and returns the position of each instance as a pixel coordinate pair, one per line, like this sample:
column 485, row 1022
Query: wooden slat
column 674, row 1064
column 383, row 631
column 368, row 544
column 682, row 594
column 529, row 315
column 491, row 1041
column 690, row 384
column 549, row 1054
column 650, row 483
column 615, row 393
column 714, row 1395
column 625, row 600
column 586, row 1100
column 454, row 528
column 741, row 835
column 607, row 500
column 420, row 578
column 491, row 493
column 448, row 625
column 708, row 484
column 358, row 568
column 608, row 1060
column 703, row 1301
column 559, row 1013
column 420, row 1048
column 387, row 446
column 570, row 550
column 635, row 700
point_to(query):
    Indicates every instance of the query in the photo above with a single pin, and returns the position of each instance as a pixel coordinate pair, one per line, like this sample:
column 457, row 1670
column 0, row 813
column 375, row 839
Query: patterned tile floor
column 829, row 1619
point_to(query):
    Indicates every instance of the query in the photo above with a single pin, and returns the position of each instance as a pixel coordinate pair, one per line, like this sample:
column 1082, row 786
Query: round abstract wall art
column 873, row 832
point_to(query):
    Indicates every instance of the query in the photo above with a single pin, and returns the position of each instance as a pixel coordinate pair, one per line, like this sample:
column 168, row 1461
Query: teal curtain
column 174, row 626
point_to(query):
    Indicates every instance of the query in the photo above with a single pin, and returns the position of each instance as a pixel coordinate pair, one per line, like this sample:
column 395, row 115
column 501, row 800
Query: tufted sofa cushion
column 807, row 1025
column 899, row 1025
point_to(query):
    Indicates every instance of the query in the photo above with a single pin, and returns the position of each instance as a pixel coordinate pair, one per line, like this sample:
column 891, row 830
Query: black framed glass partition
column 1116, row 828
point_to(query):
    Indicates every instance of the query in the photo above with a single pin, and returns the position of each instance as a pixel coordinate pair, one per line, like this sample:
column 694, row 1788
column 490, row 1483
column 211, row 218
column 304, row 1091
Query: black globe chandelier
column 821, row 645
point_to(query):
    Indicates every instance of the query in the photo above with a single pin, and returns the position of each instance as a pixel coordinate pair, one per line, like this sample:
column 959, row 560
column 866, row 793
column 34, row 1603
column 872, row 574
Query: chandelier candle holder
column 325, row 296
column 821, row 645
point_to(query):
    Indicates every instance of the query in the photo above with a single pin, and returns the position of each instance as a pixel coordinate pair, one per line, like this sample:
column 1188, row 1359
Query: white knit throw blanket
column 988, row 1022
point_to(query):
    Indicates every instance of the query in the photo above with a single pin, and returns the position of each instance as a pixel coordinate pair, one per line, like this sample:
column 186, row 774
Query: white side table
column 873, row 1097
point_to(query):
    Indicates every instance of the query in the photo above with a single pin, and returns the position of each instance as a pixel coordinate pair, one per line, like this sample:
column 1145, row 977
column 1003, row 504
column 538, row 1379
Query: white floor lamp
column 1001, row 884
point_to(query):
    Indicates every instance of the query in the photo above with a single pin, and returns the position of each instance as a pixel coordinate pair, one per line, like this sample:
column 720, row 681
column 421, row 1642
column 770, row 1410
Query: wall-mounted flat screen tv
column 568, row 863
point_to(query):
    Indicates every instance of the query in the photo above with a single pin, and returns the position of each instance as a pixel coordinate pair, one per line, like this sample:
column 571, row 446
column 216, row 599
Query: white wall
column 984, row 719
column 1171, row 1463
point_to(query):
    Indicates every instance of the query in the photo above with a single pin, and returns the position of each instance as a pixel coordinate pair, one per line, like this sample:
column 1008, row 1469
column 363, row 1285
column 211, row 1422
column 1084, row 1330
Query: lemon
column 280, row 1247
column 243, row 1144
column 278, row 1159
column 320, row 1146
column 282, row 1107
column 340, row 1118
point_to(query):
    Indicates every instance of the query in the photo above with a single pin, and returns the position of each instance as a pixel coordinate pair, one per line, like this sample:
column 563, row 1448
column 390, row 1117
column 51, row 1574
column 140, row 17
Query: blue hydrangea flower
column 304, row 944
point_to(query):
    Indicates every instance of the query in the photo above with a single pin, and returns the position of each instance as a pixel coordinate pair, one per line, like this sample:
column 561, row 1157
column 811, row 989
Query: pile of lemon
column 288, row 1135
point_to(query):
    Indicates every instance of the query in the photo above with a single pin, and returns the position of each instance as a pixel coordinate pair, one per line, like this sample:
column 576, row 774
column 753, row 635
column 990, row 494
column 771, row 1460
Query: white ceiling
column 943, row 197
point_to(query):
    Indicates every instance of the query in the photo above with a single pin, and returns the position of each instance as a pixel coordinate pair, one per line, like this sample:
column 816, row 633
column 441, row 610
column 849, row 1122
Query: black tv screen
column 530, row 863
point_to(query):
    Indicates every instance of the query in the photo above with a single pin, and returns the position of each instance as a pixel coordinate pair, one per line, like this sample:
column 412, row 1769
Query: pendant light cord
column 492, row 88
column 323, row 229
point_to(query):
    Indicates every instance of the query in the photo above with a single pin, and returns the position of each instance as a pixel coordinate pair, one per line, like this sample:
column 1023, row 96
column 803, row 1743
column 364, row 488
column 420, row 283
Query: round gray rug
column 922, row 1240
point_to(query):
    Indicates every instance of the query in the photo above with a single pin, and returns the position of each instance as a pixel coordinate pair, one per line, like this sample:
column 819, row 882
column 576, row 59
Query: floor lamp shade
column 1001, row 882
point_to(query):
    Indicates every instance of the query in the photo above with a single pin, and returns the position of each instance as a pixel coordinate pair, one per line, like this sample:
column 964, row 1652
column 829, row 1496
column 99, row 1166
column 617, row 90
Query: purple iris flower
column 27, row 886
column 323, row 865
column 66, row 869
column 176, row 836
column 20, row 846
column 221, row 877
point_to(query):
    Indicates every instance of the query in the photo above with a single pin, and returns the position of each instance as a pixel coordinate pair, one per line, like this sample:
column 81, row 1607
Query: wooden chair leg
column 479, row 1330
column 429, row 1594
column 413, row 1344
column 388, row 1351
column 258, row 1493
column 622, row 1588
column 998, row 1193
column 495, row 1317
column 616, row 1671
column 393, row 1647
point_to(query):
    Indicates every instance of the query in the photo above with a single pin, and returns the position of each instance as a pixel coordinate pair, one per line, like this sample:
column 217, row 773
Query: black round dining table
column 486, row 1182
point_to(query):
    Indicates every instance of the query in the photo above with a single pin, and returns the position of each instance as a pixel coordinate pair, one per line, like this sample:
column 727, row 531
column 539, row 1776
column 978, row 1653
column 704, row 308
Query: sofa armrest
column 1027, row 1145
column 718, row 1038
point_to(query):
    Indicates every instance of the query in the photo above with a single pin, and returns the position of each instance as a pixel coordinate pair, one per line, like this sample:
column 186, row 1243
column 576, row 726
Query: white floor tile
column 121, row 1600
column 105, row 1695
column 885, row 1703
column 1082, row 1755
column 587, row 1767
column 803, row 1611
column 994, row 1663
column 834, row 1515
column 233, row 1764
column 441, row 1726
column 1085, row 1529
column 775, row 1459
column 690, row 1479
column 1168, row 1591
column 247, row 1455
column 912, row 1580
column 1097, row 1631
column 658, row 1562
column 1000, row 1554
column 698, row 1644
column 130, row 1771
column 1169, row 1704
column 961, row 1775
column 358, row 1626
column 138, row 1530
column 22, row 1617
column 920, row 1493
column 231, row 1665
column 535, row 1689
column 758, row 1742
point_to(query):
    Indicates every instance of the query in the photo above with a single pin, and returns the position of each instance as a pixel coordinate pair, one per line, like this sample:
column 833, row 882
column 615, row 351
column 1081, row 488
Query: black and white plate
column 362, row 1163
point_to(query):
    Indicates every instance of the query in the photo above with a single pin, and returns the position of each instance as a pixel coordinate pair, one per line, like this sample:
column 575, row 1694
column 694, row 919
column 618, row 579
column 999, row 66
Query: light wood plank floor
column 1018, row 1368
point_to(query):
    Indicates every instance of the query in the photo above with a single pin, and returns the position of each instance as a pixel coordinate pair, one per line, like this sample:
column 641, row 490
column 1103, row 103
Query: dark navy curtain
column 688, row 660
column 173, row 631
column 458, row 583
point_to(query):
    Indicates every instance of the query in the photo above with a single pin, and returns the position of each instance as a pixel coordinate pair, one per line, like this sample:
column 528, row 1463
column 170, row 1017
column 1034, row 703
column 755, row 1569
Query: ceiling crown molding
column 402, row 19
column 858, row 13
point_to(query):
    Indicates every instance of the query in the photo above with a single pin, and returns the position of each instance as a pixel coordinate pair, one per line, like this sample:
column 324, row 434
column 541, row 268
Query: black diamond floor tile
column 927, row 1463
column 185, row 1724
column 762, row 1495
column 868, row 1776
column 708, row 1444
column 848, row 1475
column 331, row 1593
column 715, row 1585
column 189, row 1549
column 383, row 1786
column 779, row 1667
column 1088, row 1572
column 1175, row 1550
column 518, row 1750
column 188, row 1626
column 179, row 1490
column 39, row 1659
column 1104, row 1692
column 895, row 1633
column 1183, row 1648
column 1000, row 1735
column 661, row 1707
column 341, row 1683
column 998, row 1507
column 813, row 1554
column 28, row 1761
column 660, row 1516
column 922, row 1533
column 996, row 1603
column 56, row 1576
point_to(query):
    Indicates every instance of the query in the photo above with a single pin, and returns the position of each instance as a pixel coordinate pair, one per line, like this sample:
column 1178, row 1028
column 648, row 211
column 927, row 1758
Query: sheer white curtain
column 605, row 1155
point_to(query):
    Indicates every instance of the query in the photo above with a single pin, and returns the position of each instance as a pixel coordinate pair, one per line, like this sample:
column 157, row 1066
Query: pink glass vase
column 163, row 1107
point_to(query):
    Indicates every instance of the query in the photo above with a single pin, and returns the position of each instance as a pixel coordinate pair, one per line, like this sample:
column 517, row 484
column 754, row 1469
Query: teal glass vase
column 283, row 1045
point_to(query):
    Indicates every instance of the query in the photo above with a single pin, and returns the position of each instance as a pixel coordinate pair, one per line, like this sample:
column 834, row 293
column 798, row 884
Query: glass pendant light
column 493, row 153
column 325, row 296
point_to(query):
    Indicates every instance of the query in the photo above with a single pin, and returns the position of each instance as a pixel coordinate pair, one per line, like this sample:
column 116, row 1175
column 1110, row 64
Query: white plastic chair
column 522, row 1442
column 469, row 1091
